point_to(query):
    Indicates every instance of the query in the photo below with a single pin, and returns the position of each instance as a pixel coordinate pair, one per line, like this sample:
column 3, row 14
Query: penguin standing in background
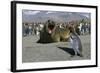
column 75, row 42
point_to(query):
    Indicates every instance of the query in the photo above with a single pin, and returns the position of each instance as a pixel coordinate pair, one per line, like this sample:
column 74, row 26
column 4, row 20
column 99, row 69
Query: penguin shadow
column 68, row 50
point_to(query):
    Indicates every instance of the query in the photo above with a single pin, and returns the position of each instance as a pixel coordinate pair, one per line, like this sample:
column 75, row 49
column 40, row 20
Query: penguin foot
column 80, row 55
column 72, row 55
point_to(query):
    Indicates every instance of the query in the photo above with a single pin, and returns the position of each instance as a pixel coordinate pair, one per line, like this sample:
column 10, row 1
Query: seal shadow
column 68, row 50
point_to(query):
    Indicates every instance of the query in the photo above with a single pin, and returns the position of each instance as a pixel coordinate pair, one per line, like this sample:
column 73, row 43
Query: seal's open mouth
column 51, row 28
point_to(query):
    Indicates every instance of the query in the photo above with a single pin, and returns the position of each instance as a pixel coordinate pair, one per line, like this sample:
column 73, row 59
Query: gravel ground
column 35, row 52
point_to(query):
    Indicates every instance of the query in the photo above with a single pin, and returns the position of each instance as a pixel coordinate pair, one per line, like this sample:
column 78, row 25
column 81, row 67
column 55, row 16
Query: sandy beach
column 60, row 51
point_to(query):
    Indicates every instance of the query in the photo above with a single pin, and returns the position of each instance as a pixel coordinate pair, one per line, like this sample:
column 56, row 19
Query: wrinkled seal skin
column 52, row 33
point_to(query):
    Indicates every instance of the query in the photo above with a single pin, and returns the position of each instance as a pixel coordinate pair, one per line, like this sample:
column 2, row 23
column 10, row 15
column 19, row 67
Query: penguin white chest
column 74, row 42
